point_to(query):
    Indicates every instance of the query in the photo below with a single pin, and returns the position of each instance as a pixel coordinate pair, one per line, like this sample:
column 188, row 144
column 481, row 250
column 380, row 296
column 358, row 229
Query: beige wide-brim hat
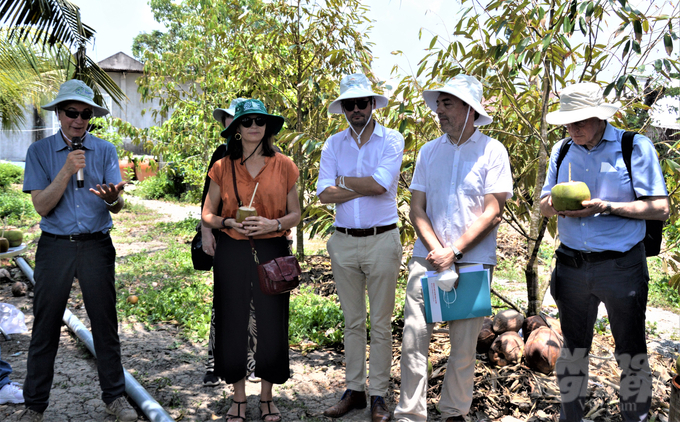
column 356, row 86
column 76, row 90
column 468, row 89
column 220, row 113
column 580, row 102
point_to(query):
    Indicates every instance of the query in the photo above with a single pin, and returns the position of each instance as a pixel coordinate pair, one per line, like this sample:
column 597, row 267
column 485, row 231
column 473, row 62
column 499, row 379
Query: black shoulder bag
column 201, row 260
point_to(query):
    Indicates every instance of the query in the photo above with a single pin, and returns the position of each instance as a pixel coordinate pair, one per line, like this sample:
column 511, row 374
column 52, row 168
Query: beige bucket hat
column 465, row 87
column 579, row 102
column 356, row 86
column 220, row 113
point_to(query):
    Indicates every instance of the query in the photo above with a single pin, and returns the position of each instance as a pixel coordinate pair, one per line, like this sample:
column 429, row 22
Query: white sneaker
column 11, row 393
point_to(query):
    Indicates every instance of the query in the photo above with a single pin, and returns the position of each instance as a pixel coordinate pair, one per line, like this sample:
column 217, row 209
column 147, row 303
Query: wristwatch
column 279, row 229
column 456, row 253
column 608, row 210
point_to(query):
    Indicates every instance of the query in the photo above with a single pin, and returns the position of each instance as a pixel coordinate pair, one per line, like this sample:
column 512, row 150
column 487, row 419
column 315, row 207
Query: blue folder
column 471, row 299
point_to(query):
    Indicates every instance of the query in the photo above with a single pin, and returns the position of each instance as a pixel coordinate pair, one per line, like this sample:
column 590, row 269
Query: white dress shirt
column 455, row 180
column 380, row 157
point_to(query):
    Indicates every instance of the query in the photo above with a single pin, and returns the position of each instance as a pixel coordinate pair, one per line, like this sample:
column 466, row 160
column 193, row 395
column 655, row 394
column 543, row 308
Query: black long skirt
column 236, row 290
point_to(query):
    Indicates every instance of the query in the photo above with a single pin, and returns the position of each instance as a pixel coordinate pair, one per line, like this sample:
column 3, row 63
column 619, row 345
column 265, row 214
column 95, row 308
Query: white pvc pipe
column 151, row 408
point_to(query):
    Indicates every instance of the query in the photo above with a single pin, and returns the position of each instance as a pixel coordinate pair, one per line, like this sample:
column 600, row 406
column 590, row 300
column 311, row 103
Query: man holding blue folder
column 459, row 189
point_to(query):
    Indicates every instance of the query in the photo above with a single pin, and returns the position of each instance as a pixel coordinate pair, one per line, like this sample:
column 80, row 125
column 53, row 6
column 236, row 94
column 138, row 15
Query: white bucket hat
column 220, row 113
column 76, row 90
column 468, row 89
column 356, row 86
column 580, row 102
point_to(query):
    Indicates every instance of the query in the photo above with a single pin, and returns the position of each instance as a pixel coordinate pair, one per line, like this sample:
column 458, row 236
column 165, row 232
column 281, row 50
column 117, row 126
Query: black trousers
column 57, row 261
column 621, row 284
column 236, row 282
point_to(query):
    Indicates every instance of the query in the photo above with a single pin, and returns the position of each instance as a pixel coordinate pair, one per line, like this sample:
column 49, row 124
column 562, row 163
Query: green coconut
column 568, row 196
column 15, row 237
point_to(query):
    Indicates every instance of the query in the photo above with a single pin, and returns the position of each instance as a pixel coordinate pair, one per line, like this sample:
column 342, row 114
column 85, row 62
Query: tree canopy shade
column 27, row 75
column 525, row 53
column 289, row 54
column 49, row 23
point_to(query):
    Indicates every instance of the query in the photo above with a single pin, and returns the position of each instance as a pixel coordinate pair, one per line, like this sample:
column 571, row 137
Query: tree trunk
column 536, row 288
column 299, row 156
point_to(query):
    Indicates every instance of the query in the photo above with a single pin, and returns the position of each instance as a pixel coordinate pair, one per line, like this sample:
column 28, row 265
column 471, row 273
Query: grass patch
column 315, row 318
column 661, row 295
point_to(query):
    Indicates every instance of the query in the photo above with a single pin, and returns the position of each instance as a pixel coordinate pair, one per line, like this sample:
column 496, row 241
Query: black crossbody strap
column 627, row 152
column 566, row 144
column 233, row 178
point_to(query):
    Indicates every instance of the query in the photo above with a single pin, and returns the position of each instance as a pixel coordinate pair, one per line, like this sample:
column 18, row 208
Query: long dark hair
column 235, row 147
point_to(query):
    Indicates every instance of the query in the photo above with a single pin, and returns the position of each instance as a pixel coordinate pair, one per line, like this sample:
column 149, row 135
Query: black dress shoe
column 350, row 400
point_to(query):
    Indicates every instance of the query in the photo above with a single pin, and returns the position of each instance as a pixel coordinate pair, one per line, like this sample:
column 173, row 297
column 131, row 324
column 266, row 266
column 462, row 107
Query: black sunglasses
column 248, row 121
column 73, row 114
column 349, row 104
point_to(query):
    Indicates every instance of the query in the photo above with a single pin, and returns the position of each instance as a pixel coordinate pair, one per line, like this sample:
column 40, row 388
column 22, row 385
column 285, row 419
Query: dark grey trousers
column 621, row 284
column 57, row 261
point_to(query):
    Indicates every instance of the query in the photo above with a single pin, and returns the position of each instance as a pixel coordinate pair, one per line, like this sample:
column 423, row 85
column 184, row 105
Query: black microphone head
column 76, row 142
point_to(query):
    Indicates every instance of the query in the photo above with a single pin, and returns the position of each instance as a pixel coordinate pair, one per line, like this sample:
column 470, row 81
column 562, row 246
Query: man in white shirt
column 359, row 172
column 459, row 189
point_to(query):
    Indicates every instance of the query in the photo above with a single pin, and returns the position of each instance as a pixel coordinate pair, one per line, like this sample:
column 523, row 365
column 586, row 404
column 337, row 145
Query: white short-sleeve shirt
column 379, row 158
column 455, row 180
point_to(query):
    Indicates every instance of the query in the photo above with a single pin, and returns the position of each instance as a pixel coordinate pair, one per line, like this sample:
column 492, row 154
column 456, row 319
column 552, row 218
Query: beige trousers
column 456, row 393
column 359, row 264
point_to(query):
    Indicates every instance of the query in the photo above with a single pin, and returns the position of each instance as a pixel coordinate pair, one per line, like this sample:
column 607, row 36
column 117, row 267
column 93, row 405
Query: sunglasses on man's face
column 248, row 121
column 73, row 114
column 348, row 105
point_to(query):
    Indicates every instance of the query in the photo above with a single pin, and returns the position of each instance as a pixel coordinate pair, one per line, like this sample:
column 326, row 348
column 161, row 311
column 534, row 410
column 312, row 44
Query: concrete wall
column 14, row 143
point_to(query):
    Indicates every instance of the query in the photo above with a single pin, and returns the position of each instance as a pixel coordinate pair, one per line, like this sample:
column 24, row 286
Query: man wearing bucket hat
column 224, row 117
column 76, row 219
column 602, row 256
column 358, row 172
column 459, row 188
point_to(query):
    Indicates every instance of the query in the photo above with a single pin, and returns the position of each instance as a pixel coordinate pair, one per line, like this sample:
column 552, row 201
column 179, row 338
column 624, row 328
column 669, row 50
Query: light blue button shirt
column 79, row 210
column 604, row 171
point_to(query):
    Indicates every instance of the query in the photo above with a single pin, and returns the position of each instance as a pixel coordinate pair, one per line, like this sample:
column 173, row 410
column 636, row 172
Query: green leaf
column 609, row 88
column 668, row 43
column 658, row 65
column 582, row 25
column 590, row 9
column 626, row 49
column 637, row 27
column 546, row 41
column 434, row 41
column 522, row 45
column 636, row 47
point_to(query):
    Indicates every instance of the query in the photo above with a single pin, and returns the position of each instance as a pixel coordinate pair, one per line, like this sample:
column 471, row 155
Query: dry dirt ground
column 171, row 370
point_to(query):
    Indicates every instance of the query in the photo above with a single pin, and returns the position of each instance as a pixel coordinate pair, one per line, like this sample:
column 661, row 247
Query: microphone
column 76, row 144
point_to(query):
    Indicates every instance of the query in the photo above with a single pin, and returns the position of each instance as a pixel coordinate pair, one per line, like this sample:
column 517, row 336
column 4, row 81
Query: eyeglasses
column 577, row 125
column 73, row 114
column 348, row 105
column 248, row 121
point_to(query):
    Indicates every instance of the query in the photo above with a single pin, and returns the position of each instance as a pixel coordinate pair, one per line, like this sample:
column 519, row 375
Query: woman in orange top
column 238, row 344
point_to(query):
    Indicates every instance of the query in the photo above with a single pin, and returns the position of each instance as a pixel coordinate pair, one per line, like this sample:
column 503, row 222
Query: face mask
column 447, row 279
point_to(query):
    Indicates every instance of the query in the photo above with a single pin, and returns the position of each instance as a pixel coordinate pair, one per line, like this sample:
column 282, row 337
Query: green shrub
column 315, row 318
column 156, row 187
column 9, row 174
column 16, row 206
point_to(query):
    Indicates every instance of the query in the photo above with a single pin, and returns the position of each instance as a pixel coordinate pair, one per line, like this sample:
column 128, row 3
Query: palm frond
column 55, row 21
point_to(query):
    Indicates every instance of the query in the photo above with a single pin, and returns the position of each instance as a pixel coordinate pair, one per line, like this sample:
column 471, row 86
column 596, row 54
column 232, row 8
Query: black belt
column 367, row 232
column 78, row 237
column 596, row 256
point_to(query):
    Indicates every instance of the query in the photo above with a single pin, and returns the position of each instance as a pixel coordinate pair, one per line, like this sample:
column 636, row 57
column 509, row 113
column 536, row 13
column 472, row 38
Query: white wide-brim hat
column 468, row 89
column 220, row 113
column 580, row 102
column 76, row 90
column 356, row 86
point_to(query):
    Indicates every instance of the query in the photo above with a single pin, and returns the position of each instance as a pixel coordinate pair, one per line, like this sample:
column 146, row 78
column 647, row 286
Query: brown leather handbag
column 279, row 275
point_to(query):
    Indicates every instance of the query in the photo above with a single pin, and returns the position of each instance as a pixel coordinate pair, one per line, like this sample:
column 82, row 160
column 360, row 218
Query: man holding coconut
column 602, row 255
